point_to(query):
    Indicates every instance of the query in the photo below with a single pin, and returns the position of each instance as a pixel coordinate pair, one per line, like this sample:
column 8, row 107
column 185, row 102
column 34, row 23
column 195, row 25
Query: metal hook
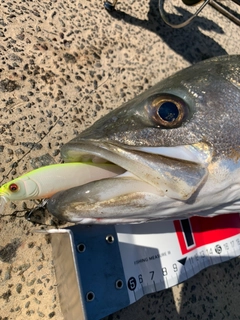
column 42, row 204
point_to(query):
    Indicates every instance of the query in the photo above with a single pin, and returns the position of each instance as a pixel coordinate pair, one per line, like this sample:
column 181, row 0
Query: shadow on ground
column 189, row 42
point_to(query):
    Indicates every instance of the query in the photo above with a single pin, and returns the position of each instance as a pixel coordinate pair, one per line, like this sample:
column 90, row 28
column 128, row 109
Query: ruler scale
column 108, row 267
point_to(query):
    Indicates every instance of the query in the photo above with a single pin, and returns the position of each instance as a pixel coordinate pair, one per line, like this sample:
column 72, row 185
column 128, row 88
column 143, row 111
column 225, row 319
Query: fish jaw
column 126, row 198
column 115, row 199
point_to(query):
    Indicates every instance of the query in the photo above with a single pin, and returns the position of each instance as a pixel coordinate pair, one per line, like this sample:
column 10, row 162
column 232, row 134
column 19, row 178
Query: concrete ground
column 63, row 65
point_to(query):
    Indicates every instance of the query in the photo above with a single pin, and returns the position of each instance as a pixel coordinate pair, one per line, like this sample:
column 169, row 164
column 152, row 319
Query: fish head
column 176, row 141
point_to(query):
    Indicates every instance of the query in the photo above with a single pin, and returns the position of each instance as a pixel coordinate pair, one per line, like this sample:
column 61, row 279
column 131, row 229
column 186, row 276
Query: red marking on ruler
column 206, row 230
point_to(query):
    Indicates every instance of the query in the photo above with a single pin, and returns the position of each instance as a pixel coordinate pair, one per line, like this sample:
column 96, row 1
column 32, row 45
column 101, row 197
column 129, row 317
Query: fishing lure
column 43, row 182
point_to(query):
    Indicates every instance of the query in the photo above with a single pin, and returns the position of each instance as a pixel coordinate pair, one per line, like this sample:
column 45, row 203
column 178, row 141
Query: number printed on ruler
column 159, row 255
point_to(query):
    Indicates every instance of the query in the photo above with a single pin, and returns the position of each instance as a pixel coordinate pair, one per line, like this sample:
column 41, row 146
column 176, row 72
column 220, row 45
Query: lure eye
column 168, row 111
column 13, row 187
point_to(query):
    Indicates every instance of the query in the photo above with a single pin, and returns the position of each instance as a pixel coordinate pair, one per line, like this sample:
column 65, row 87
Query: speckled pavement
column 64, row 64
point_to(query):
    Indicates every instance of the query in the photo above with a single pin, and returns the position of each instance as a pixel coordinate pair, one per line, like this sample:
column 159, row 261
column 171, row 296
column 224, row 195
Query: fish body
column 179, row 144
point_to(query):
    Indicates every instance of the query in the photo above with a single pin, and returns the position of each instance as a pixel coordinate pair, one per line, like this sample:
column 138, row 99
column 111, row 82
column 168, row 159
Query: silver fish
column 179, row 143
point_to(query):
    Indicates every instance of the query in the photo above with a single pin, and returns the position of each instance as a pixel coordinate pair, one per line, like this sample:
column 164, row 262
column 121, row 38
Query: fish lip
column 76, row 151
column 200, row 153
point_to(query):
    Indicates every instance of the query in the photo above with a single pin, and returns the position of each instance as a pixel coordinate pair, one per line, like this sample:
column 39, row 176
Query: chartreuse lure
column 44, row 182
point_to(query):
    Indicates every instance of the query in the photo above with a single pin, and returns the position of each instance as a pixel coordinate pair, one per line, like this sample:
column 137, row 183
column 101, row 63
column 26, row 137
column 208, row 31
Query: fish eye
column 13, row 187
column 168, row 111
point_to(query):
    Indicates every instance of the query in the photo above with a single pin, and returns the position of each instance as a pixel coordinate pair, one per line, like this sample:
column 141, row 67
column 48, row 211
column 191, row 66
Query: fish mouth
column 165, row 168
column 173, row 172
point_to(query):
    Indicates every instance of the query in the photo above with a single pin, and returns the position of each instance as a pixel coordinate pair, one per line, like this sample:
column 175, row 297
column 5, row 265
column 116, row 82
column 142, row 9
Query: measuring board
column 101, row 269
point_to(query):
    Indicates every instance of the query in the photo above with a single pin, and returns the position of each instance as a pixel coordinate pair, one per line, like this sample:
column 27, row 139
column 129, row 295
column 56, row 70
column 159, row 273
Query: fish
column 179, row 144
column 176, row 147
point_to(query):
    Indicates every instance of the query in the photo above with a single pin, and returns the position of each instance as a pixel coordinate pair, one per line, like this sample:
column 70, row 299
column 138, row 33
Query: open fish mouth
column 147, row 174
column 172, row 171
